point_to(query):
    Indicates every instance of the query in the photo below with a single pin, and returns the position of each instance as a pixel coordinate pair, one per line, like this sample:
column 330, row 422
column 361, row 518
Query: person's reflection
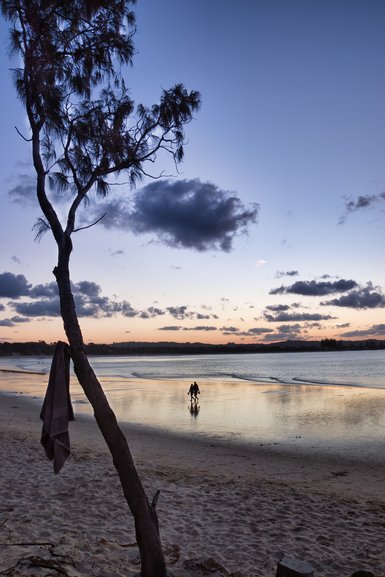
column 194, row 408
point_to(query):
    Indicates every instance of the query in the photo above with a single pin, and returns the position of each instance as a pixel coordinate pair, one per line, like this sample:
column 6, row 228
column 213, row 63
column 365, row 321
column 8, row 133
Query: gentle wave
column 21, row 371
column 343, row 368
column 336, row 384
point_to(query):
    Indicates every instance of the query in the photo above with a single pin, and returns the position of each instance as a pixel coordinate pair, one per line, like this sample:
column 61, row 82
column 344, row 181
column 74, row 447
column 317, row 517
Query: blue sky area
column 291, row 128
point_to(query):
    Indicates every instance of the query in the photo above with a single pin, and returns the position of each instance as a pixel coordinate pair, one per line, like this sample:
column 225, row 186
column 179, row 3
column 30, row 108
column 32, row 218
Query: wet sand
column 236, row 507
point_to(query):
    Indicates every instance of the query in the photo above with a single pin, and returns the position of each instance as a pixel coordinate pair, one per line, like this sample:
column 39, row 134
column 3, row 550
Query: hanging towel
column 57, row 410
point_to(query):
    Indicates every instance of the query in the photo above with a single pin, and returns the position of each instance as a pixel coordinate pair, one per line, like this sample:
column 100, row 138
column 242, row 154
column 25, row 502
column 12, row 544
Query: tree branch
column 89, row 225
column 23, row 137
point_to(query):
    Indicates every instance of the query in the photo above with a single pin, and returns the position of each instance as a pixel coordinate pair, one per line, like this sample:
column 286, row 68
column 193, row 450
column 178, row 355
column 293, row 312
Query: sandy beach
column 224, row 509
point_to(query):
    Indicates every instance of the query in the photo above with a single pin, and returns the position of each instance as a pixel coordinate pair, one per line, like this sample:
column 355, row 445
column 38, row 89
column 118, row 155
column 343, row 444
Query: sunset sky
column 291, row 128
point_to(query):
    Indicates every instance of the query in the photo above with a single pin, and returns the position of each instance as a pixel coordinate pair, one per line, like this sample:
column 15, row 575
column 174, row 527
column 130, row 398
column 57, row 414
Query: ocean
column 334, row 401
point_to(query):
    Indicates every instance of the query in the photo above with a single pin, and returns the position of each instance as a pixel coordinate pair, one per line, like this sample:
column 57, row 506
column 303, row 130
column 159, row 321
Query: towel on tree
column 57, row 409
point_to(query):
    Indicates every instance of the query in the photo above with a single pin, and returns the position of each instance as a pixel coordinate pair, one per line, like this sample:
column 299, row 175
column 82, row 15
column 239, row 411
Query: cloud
column 200, row 328
column 362, row 202
column 183, row 214
column 368, row 297
column 43, row 308
column 284, row 333
column 228, row 330
column 182, row 313
column 6, row 323
column 261, row 262
column 373, row 331
column 278, row 308
column 170, row 328
column 13, row 321
column 255, row 331
column 315, row 288
column 25, row 190
column 280, row 273
column 13, row 286
column 258, row 331
column 43, row 299
column 296, row 317
column 48, row 290
column 151, row 313
column 179, row 313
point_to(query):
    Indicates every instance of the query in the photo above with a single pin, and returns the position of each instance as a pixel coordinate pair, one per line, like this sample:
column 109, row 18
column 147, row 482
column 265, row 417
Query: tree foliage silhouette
column 84, row 128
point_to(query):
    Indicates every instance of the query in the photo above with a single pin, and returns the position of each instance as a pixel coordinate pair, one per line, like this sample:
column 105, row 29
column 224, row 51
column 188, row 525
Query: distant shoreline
column 136, row 348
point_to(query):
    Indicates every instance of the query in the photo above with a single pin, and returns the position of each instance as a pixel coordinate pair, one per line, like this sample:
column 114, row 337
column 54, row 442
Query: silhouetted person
column 191, row 391
column 196, row 390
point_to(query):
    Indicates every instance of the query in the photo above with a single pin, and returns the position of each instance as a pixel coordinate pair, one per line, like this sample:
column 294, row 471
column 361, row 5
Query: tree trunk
column 146, row 521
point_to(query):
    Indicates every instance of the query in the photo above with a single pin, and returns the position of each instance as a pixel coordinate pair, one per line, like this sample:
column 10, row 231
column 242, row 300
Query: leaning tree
column 84, row 130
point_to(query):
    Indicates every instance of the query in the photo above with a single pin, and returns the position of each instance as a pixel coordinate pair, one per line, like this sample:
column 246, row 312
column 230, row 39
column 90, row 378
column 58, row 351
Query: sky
column 273, row 227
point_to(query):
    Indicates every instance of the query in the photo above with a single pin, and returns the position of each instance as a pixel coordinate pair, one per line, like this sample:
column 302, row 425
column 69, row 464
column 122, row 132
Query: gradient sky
column 292, row 120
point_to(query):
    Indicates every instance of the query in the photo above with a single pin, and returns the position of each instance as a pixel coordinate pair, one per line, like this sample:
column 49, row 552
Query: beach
column 224, row 509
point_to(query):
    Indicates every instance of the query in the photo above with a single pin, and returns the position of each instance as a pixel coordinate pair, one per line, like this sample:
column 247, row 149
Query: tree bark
column 146, row 521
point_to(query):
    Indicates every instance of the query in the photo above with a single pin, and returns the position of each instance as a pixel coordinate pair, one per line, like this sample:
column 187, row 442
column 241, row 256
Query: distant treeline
column 41, row 348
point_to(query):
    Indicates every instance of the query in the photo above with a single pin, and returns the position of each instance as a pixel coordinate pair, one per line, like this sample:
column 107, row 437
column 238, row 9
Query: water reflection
column 336, row 418
column 194, row 408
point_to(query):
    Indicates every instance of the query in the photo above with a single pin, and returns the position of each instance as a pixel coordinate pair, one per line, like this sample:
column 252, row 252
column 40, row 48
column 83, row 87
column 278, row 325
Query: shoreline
column 245, row 507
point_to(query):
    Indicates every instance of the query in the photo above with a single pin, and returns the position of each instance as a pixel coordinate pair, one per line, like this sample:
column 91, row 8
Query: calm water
column 355, row 368
column 330, row 401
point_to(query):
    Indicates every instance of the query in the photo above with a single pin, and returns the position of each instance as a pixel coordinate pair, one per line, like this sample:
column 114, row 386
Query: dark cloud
column 368, row 297
column 87, row 288
column 200, row 328
column 179, row 313
column 6, row 323
column 127, row 310
column 179, row 328
column 41, row 308
column 280, row 274
column 25, row 190
column 2, row 307
column 48, row 290
column 373, row 331
column 316, row 288
column 278, row 308
column 258, row 331
column 183, row 214
column 151, row 313
column 228, row 330
column 362, row 202
column 182, row 313
column 12, row 322
column 13, row 286
column 284, row 333
column 43, row 299
column 255, row 331
column 296, row 317
column 20, row 320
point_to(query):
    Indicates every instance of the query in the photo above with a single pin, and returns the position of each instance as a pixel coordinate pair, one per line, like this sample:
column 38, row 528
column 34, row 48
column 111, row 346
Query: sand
column 225, row 508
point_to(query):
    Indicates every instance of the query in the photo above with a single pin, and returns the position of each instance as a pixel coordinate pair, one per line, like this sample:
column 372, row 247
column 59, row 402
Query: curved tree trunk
column 146, row 522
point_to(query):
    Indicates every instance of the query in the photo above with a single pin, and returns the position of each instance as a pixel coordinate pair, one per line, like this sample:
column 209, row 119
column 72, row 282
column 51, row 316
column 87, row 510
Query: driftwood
column 294, row 568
